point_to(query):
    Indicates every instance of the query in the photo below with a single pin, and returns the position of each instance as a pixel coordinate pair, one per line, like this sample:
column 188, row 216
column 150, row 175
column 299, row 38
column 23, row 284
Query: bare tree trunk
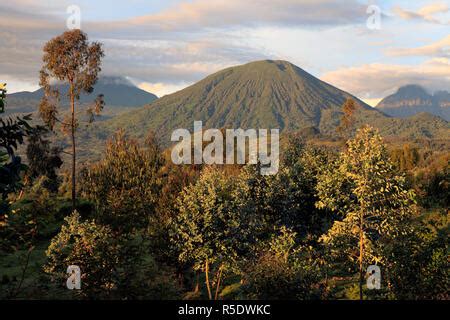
column 72, row 100
column 207, row 279
column 197, row 277
column 361, row 253
column 218, row 283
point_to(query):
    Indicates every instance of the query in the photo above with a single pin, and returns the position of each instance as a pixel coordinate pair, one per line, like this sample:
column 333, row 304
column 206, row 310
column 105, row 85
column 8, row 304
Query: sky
column 368, row 48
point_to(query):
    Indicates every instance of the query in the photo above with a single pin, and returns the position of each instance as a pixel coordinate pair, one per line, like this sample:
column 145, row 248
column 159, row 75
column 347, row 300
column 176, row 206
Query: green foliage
column 282, row 270
column 369, row 195
column 156, row 283
column 405, row 158
column 112, row 265
column 145, row 225
column 293, row 149
column 125, row 185
column 435, row 186
column 10, row 176
column 208, row 228
column 221, row 218
column 43, row 160
column 210, row 232
column 91, row 247
column 12, row 134
column 31, row 217
column 39, row 204
column 286, row 199
column 301, row 177
column 253, row 196
column 417, row 263
column 174, row 178
column 17, row 284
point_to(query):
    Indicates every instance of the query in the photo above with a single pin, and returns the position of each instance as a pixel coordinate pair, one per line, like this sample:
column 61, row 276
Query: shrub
column 281, row 270
column 89, row 246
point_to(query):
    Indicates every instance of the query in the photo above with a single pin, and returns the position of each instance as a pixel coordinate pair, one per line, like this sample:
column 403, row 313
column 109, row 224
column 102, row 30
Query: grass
column 17, row 282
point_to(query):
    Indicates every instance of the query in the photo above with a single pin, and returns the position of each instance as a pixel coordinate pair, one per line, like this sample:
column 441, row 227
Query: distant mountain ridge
column 262, row 94
column 117, row 91
column 412, row 99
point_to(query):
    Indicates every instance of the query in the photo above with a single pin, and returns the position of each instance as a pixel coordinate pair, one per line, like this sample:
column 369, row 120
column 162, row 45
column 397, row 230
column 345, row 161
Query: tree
column 255, row 196
column 125, row 188
column 347, row 120
column 208, row 232
column 405, row 158
column 88, row 245
column 287, row 198
column 111, row 267
column 297, row 179
column 13, row 132
column 125, row 185
column 174, row 178
column 365, row 189
column 70, row 59
column 20, row 229
column 43, row 160
column 416, row 264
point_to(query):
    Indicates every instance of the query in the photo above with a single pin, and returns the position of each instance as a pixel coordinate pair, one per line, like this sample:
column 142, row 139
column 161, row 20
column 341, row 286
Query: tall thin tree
column 348, row 117
column 366, row 190
column 71, row 60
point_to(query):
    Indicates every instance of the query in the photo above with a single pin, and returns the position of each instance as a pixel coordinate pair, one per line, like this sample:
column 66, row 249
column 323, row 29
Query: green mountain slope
column 261, row 94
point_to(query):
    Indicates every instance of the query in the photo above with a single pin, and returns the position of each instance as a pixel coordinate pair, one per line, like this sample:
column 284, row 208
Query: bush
column 89, row 246
column 125, row 185
column 281, row 270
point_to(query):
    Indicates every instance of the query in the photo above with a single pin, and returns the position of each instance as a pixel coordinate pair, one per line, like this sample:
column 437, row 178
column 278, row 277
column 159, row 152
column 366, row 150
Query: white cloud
column 161, row 89
column 219, row 13
column 426, row 13
column 377, row 80
column 193, row 16
column 438, row 48
column 14, row 85
column 175, row 61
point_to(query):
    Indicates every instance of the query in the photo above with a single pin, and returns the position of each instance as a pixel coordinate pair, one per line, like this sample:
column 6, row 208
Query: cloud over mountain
column 378, row 79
